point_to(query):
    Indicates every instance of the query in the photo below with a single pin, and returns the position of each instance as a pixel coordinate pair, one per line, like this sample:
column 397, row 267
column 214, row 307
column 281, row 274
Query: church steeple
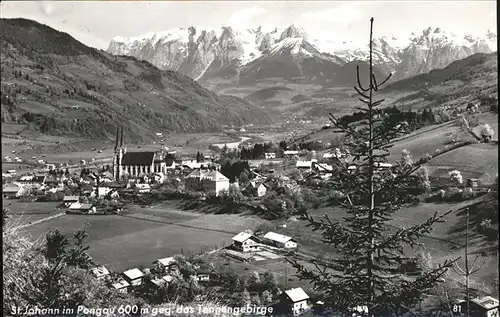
column 118, row 154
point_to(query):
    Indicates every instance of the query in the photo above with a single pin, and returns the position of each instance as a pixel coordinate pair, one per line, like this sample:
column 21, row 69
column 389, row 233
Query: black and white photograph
column 249, row 158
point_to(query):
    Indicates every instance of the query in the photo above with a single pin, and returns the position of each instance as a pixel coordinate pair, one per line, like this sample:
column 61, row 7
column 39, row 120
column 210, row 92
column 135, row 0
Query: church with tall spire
column 135, row 164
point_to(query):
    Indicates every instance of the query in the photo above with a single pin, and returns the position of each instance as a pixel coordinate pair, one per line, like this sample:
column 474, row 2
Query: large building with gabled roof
column 212, row 182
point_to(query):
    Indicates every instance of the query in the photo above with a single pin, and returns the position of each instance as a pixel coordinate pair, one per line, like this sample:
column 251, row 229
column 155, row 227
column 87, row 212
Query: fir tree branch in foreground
column 369, row 251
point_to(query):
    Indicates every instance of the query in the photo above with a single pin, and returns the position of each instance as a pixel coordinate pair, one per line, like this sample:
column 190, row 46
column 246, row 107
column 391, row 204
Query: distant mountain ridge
column 57, row 85
column 194, row 51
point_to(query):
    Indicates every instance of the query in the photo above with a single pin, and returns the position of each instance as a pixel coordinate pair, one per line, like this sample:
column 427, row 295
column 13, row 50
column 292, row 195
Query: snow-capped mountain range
column 202, row 53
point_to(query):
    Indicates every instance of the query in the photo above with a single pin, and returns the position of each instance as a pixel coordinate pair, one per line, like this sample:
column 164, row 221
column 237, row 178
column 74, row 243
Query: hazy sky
column 95, row 23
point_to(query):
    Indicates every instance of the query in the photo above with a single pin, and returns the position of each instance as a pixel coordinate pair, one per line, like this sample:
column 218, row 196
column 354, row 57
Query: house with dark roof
column 136, row 163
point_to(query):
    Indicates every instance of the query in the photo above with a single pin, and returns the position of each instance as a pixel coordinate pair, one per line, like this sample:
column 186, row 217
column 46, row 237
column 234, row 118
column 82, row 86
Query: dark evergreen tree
column 369, row 254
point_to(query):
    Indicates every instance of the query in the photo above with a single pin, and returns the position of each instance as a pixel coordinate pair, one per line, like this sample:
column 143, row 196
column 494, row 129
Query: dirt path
column 42, row 220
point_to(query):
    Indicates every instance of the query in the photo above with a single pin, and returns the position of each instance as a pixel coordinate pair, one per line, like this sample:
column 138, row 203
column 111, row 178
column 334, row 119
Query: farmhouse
column 100, row 273
column 121, row 286
column 133, row 276
column 280, row 240
column 212, row 182
column 294, row 301
column 12, row 191
column 246, row 242
column 290, row 153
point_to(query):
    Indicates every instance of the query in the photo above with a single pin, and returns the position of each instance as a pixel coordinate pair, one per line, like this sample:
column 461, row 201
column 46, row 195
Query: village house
column 472, row 182
column 246, row 242
column 31, row 181
column 481, row 307
column 256, row 188
column 270, row 156
column 133, row 276
column 159, row 177
column 81, row 208
column 293, row 301
column 166, row 263
column 68, row 200
column 305, row 165
column 100, row 191
column 328, row 155
column 143, row 188
column 279, row 240
column 323, row 168
column 157, row 282
column 10, row 191
column 212, row 182
column 101, row 273
column 203, row 276
column 291, row 153
column 121, row 286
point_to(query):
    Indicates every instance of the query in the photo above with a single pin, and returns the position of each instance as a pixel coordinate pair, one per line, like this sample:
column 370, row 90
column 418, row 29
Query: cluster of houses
column 293, row 301
column 248, row 242
column 135, row 277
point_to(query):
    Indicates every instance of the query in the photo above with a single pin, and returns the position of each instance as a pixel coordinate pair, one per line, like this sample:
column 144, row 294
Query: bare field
column 480, row 160
column 122, row 242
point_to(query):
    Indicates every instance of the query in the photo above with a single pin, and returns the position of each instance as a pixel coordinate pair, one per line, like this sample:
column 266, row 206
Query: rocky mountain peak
column 292, row 32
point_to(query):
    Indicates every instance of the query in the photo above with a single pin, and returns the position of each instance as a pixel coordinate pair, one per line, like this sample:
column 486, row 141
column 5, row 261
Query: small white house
column 157, row 282
column 304, row 165
column 121, row 286
column 270, row 156
column 246, row 242
column 166, row 263
column 159, row 177
column 68, row 200
column 295, row 301
column 100, row 272
column 291, row 153
column 133, row 276
column 280, row 241
column 143, row 188
column 482, row 307
column 257, row 188
column 323, row 168
column 168, row 278
column 328, row 155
